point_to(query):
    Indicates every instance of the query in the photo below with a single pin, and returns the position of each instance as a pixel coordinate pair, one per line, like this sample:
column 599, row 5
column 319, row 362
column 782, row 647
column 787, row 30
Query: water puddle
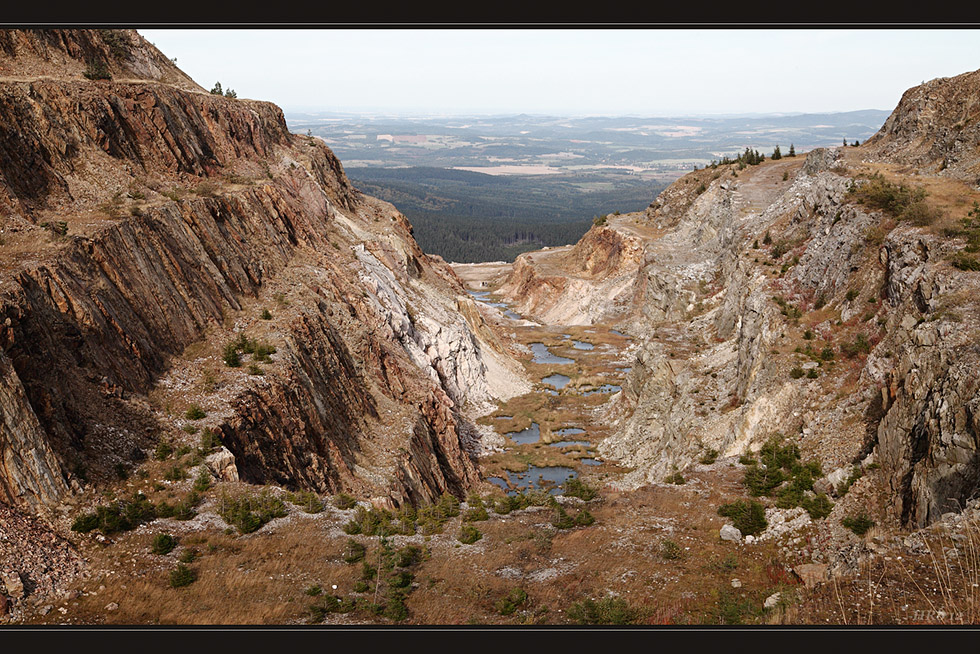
column 618, row 333
column 503, row 417
column 626, row 369
column 549, row 478
column 484, row 297
column 513, row 315
column 591, row 462
column 543, row 355
column 570, row 444
column 569, row 431
column 530, row 435
column 605, row 388
column 556, row 380
column 582, row 345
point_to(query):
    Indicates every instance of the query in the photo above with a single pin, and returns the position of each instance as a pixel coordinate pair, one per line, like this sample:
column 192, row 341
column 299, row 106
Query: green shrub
column 344, row 501
column 209, row 441
column 709, row 457
column 195, row 412
column 964, row 261
column 762, row 481
column 818, row 507
column 121, row 515
column 859, row 524
column 796, row 373
column 307, row 500
column 401, row 579
column 354, row 551
column 97, row 69
column 575, row 487
column 175, row 473
column 189, row 555
column 469, row 534
column 163, row 451
column 163, row 544
column 747, row 460
column 182, row 576
column 250, row 512
column 266, row 314
column 749, row 517
column 670, row 550
column 477, row 511
column 609, row 610
column 732, row 609
column 203, row 480
column 858, row 346
column 231, row 357
column 898, row 200
column 583, row 518
column 395, row 608
column 675, row 478
column 182, row 510
column 514, row 599
column 360, row 586
column 561, row 519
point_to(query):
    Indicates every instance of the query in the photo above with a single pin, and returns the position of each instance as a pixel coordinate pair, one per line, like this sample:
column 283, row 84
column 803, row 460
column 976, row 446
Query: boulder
column 728, row 532
column 811, row 574
column 12, row 582
column 772, row 601
column 222, row 464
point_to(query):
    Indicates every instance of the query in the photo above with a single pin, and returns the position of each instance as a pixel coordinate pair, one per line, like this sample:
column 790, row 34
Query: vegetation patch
column 609, row 610
column 901, row 201
column 121, row 515
column 859, row 524
column 248, row 513
column 163, row 544
column 749, row 517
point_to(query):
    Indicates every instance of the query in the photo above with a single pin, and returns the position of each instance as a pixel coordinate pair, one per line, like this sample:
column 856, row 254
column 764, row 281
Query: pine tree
column 792, row 151
column 776, row 154
column 217, row 89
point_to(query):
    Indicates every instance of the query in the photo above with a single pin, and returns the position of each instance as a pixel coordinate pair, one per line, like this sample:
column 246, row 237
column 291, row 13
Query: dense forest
column 466, row 216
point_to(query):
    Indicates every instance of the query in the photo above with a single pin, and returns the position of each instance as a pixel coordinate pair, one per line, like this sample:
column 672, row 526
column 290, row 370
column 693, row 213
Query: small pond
column 550, row 478
column 582, row 345
column 530, row 435
column 543, row 355
column 556, row 380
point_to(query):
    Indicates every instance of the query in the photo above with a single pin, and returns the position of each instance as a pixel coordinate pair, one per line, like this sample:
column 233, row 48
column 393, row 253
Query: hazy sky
column 665, row 72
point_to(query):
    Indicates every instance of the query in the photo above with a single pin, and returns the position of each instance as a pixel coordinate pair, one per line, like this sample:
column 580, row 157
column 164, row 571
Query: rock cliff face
column 147, row 223
column 935, row 129
column 769, row 300
column 591, row 282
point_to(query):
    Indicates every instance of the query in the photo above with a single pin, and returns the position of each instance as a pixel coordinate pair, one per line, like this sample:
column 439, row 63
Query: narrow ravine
column 551, row 434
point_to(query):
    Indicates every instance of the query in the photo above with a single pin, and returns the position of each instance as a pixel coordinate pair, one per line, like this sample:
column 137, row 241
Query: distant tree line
column 465, row 216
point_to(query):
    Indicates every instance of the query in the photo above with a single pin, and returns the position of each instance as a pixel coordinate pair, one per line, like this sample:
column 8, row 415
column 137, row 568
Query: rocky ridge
column 146, row 224
column 771, row 301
